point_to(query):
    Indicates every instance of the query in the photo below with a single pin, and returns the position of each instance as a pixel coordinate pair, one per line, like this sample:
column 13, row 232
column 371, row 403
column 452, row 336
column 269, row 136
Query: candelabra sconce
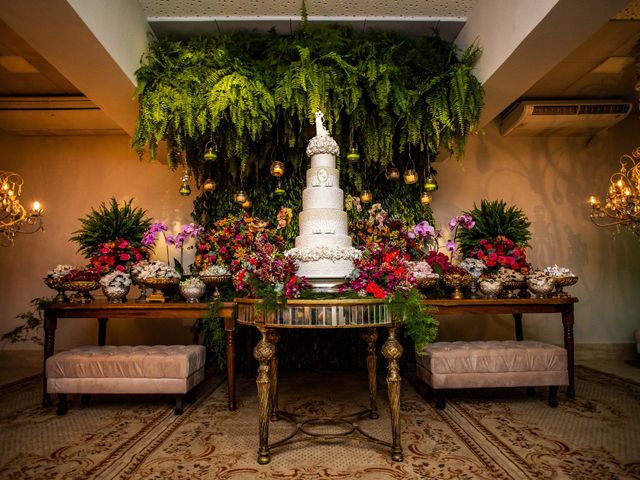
column 14, row 218
column 622, row 203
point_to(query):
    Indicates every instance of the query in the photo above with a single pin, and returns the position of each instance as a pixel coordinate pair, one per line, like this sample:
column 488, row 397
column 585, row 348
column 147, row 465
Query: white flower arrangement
column 192, row 282
column 116, row 279
column 313, row 254
column 557, row 271
column 157, row 269
column 490, row 281
column 422, row 270
column 137, row 268
column 474, row 266
column 60, row 271
column 214, row 271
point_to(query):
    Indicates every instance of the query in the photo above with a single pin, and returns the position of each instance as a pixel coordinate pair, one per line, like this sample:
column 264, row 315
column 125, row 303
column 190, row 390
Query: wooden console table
column 103, row 311
column 366, row 314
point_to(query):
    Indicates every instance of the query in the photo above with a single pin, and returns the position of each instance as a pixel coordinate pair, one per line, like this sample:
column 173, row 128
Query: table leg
column 50, row 325
column 567, row 323
column 370, row 336
column 229, row 332
column 102, row 331
column 392, row 351
column 263, row 353
column 274, row 337
column 517, row 320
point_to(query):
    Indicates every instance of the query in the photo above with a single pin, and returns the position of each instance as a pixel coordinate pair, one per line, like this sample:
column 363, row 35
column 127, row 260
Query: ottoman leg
column 179, row 405
column 85, row 398
column 441, row 403
column 190, row 396
column 62, row 404
column 553, row 396
column 531, row 392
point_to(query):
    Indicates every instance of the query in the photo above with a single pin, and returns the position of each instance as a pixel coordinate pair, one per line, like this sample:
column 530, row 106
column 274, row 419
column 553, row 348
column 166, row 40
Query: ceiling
column 35, row 98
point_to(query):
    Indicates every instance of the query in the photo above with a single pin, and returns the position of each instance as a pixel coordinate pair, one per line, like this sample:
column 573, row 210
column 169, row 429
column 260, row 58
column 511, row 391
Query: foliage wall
column 397, row 99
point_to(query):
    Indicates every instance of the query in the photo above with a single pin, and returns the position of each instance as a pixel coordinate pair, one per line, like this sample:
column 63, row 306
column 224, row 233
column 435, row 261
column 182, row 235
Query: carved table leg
column 567, row 322
column 274, row 337
column 102, row 331
column 263, row 353
column 370, row 336
column 392, row 351
column 229, row 332
column 50, row 324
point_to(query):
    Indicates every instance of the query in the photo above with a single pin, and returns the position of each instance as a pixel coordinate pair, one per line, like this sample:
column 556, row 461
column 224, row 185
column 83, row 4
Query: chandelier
column 622, row 203
column 14, row 218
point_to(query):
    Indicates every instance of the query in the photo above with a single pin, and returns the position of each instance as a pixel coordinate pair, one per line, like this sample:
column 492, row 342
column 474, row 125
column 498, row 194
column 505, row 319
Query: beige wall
column 550, row 178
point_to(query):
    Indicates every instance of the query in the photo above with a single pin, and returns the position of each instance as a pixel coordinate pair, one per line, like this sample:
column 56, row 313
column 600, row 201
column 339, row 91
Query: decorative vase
column 82, row 289
column 426, row 282
column 56, row 284
column 511, row 288
column 160, row 287
column 192, row 291
column 457, row 281
column 541, row 290
column 490, row 288
column 561, row 282
column 215, row 281
column 115, row 294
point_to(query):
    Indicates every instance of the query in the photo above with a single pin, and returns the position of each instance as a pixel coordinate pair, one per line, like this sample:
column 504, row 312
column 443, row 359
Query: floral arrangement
column 474, row 266
column 192, row 282
column 116, row 279
column 137, row 268
column 557, row 271
column 501, row 253
column 507, row 275
column 266, row 271
column 214, row 271
column 231, row 239
column 81, row 275
column 157, row 270
column 422, row 271
column 119, row 254
column 60, row 271
column 186, row 232
column 539, row 278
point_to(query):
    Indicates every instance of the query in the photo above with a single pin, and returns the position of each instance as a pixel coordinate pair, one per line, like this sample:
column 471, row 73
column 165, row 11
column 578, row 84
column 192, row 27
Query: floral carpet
column 482, row 434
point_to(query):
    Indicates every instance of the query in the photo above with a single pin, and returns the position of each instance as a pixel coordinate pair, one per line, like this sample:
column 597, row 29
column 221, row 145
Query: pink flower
column 123, row 244
column 125, row 257
column 120, row 268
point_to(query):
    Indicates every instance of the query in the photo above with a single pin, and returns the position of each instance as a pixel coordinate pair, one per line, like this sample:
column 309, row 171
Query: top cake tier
column 322, row 144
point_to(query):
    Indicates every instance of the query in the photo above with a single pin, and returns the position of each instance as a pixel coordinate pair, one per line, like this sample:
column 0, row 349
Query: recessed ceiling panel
column 330, row 8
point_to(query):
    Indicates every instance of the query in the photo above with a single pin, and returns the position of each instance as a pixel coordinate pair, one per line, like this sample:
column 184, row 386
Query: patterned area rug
column 488, row 434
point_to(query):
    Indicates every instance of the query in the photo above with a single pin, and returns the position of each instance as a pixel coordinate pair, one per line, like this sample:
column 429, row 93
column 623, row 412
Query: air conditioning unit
column 562, row 118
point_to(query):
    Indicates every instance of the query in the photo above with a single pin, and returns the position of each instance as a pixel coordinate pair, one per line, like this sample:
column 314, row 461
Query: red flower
column 120, row 268
column 375, row 290
column 125, row 257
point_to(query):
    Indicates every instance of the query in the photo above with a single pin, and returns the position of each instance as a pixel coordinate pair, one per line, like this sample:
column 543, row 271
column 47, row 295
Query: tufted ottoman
column 166, row 369
column 492, row 364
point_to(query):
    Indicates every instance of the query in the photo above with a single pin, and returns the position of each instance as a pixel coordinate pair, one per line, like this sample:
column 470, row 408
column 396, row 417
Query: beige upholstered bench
column 173, row 369
column 492, row 364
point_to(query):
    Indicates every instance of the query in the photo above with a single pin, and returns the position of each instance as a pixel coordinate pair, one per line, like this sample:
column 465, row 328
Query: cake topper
column 320, row 130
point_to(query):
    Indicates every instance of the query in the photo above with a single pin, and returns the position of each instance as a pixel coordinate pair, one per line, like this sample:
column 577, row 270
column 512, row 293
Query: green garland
column 255, row 96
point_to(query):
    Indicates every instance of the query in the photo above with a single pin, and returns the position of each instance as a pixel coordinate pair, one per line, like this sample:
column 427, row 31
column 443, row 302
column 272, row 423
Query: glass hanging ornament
column 210, row 153
column 430, row 183
column 240, row 196
column 392, row 173
column 366, row 196
column 353, row 155
column 425, row 199
column 209, row 185
column 410, row 175
column 279, row 190
column 277, row 168
column 185, row 189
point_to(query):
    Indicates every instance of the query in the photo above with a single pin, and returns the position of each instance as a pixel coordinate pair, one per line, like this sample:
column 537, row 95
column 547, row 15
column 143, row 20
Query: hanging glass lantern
column 410, row 176
column 209, row 185
column 185, row 189
column 353, row 155
column 393, row 173
column 240, row 196
column 210, row 154
column 425, row 198
column 430, row 183
column 277, row 168
column 365, row 196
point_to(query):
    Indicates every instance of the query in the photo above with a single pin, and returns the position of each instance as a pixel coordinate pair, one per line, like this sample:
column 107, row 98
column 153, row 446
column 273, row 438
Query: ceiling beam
column 522, row 40
column 96, row 45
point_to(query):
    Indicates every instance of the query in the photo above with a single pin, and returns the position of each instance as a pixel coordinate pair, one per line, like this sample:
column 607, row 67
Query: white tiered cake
column 323, row 249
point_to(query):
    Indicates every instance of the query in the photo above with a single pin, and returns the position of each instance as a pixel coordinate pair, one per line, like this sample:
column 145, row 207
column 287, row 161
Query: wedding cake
column 323, row 250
